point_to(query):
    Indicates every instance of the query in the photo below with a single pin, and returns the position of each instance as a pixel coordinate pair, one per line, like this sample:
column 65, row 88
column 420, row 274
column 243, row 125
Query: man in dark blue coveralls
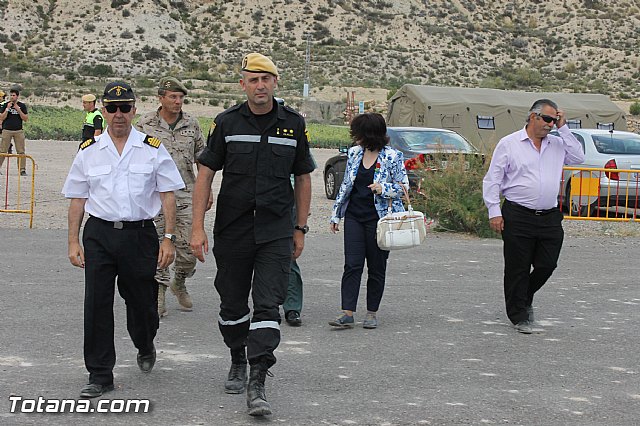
column 257, row 145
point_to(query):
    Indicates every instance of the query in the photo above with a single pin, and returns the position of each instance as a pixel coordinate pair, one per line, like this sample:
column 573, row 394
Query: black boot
column 256, row 398
column 237, row 378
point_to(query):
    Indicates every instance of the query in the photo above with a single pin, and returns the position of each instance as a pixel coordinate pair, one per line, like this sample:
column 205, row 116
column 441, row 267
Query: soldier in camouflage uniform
column 180, row 133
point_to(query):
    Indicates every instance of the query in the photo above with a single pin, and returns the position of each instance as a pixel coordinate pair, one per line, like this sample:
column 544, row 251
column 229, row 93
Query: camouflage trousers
column 185, row 263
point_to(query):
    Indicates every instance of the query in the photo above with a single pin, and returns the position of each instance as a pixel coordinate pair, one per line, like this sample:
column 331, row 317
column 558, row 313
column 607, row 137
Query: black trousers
column 260, row 269
column 131, row 255
column 360, row 244
column 532, row 246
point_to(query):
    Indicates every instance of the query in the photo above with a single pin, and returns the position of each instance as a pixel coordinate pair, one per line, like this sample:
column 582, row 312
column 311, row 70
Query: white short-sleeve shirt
column 122, row 187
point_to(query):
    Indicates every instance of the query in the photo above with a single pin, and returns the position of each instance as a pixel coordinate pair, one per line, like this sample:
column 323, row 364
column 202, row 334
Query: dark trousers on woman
column 131, row 255
column 360, row 244
column 530, row 240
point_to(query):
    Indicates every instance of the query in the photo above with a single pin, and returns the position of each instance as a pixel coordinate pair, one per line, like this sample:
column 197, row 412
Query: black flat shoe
column 293, row 318
column 94, row 390
column 146, row 362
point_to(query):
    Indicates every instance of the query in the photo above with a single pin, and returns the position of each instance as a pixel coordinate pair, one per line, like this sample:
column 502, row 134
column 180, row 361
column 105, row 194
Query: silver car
column 423, row 144
column 602, row 192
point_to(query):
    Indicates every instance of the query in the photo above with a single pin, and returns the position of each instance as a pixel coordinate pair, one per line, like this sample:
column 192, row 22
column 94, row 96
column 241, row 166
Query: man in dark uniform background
column 121, row 179
column 257, row 145
column 93, row 120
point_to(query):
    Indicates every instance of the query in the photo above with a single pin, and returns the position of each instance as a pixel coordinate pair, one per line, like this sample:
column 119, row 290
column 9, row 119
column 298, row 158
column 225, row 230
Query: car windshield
column 617, row 144
column 430, row 141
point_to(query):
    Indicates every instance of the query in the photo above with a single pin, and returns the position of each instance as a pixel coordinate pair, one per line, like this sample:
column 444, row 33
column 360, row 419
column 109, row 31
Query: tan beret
column 172, row 84
column 255, row 62
column 88, row 98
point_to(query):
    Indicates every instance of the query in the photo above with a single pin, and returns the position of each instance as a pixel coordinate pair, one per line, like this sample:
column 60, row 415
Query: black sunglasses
column 548, row 118
column 125, row 108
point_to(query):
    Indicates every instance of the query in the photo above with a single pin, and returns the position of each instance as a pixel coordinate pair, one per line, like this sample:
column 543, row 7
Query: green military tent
column 484, row 116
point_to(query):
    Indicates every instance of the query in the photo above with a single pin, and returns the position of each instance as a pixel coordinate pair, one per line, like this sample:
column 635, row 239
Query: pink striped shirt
column 526, row 176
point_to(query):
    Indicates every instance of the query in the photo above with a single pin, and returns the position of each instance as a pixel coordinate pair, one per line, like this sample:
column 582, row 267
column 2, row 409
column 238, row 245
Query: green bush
column 326, row 136
column 54, row 123
column 98, row 70
column 634, row 109
column 453, row 196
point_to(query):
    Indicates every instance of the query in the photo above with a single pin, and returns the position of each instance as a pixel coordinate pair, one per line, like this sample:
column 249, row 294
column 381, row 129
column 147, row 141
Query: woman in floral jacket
column 375, row 174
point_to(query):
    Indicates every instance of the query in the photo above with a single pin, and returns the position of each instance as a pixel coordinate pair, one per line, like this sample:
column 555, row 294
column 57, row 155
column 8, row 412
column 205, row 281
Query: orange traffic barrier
column 600, row 194
column 14, row 190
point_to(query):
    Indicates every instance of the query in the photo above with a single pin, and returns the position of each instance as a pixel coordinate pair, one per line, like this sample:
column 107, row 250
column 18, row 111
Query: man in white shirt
column 122, row 179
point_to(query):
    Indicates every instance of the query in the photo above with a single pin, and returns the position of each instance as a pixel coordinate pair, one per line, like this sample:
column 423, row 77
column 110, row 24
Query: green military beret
column 172, row 84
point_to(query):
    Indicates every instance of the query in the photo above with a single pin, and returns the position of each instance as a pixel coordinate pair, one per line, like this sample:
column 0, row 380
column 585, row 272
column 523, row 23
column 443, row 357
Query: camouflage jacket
column 185, row 143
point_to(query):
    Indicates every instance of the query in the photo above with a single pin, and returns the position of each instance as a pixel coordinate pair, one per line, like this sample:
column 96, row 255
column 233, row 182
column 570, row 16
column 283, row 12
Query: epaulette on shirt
column 154, row 142
column 291, row 110
column 87, row 143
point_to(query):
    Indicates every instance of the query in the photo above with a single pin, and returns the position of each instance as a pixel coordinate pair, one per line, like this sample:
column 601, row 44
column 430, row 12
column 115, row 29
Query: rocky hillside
column 576, row 45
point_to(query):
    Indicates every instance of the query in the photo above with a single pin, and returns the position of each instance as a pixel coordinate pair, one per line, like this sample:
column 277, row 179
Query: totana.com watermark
column 42, row 405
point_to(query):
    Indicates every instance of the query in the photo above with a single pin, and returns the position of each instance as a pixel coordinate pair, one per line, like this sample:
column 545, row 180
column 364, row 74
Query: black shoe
column 237, row 379
column 94, row 390
column 256, row 397
column 293, row 318
column 146, row 362
column 524, row 327
column 23, row 173
column 530, row 313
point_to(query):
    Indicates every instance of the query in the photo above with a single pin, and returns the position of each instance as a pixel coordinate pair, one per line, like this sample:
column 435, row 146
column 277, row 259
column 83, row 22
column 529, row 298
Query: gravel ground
column 53, row 159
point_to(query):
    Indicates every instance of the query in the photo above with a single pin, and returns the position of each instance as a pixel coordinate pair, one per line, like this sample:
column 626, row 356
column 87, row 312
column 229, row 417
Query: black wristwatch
column 171, row 237
column 304, row 228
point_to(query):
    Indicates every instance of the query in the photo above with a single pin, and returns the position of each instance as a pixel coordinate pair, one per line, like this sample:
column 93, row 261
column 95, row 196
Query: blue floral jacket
column 389, row 173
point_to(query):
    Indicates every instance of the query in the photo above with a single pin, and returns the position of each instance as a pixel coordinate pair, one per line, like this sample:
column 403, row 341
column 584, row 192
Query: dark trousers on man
column 293, row 301
column 359, row 245
column 131, row 255
column 530, row 240
column 260, row 269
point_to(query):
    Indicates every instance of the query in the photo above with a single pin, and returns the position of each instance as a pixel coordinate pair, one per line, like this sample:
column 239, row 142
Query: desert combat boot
column 162, row 307
column 180, row 290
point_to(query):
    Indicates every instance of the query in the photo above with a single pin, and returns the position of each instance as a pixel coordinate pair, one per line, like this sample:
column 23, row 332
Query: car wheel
column 331, row 183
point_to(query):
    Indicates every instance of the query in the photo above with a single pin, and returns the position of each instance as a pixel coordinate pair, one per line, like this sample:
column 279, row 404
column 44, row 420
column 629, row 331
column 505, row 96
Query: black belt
column 127, row 225
column 532, row 211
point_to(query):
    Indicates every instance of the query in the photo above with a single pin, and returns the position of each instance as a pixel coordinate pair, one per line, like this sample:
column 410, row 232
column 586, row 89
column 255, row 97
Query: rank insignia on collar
column 154, row 142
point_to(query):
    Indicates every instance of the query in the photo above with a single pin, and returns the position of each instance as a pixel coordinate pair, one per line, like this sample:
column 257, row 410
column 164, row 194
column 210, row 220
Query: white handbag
column 401, row 230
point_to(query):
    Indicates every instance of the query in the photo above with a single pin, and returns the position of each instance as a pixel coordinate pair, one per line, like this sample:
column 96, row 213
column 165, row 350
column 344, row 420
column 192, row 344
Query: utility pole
column 307, row 62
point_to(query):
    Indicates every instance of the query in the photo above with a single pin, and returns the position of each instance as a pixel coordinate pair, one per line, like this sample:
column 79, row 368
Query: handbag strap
column 406, row 194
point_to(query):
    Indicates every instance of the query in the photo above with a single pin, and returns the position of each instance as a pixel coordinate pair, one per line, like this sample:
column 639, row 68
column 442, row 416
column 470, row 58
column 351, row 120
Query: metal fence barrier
column 600, row 194
column 14, row 191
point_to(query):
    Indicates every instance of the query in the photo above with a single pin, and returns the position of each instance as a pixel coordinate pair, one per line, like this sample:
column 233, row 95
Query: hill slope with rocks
column 574, row 45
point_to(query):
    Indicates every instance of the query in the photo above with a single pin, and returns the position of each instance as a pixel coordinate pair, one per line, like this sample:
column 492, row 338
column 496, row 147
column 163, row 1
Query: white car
column 612, row 191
